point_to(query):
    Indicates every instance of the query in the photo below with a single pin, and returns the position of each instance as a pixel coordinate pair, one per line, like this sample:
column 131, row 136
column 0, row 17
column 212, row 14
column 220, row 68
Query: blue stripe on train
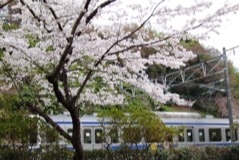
column 93, row 123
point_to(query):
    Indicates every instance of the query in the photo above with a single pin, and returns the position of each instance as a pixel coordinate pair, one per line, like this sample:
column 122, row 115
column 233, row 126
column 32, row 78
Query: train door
column 181, row 136
column 201, row 135
column 190, row 135
column 186, row 135
column 87, row 138
column 92, row 138
column 98, row 138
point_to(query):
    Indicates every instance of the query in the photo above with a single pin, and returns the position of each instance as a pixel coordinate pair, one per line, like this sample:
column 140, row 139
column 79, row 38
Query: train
column 195, row 131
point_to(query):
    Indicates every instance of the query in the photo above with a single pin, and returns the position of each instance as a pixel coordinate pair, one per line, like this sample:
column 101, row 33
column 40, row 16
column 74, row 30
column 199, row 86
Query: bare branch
column 140, row 45
column 49, row 120
column 55, row 16
column 130, row 34
column 59, row 95
column 6, row 3
column 78, row 20
column 35, row 16
column 102, row 5
column 65, row 84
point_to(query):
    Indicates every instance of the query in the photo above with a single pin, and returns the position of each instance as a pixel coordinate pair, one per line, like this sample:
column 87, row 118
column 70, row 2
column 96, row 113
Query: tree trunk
column 76, row 136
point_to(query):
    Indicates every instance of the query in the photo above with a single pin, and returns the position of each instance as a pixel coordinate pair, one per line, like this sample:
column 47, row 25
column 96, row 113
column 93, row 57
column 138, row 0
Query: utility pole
column 229, row 97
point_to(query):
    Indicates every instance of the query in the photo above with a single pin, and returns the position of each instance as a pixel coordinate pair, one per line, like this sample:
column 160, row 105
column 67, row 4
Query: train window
column 215, row 134
column 87, row 135
column 201, row 135
column 114, row 136
column 228, row 135
column 98, row 136
column 189, row 135
column 181, row 136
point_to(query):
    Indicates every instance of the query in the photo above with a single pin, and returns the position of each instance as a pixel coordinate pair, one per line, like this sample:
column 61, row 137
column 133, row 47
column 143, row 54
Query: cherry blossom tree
column 81, row 52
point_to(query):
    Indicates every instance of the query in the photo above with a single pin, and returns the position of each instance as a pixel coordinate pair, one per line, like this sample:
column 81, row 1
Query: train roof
column 169, row 118
column 178, row 114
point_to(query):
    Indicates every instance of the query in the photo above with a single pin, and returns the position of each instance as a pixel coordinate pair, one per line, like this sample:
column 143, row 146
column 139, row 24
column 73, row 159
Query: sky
column 228, row 32
column 228, row 37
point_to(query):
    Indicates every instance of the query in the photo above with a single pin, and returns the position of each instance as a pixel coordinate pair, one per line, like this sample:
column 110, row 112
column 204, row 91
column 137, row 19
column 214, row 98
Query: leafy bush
column 187, row 153
column 16, row 155
column 55, row 153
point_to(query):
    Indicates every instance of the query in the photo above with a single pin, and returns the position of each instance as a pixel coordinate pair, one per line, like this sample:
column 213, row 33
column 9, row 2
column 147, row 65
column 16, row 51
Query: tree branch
column 49, row 120
column 78, row 20
column 140, row 45
column 59, row 95
column 68, row 48
column 89, row 74
column 55, row 16
column 102, row 5
column 6, row 3
column 65, row 85
column 33, row 108
column 128, row 35
column 73, row 31
column 35, row 16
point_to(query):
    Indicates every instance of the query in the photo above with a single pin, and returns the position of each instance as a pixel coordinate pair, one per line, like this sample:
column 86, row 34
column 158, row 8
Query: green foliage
column 166, row 108
column 9, row 26
column 1, row 54
column 10, row 102
column 136, row 123
column 50, row 49
column 32, row 40
column 147, row 51
column 17, row 128
column 149, row 124
column 189, row 43
column 137, row 98
column 54, row 152
column 48, row 134
column 154, row 71
column 206, row 106
column 29, row 93
column 143, row 100
column 99, row 84
column 50, row 153
column 188, row 153
column 234, row 80
column 204, row 57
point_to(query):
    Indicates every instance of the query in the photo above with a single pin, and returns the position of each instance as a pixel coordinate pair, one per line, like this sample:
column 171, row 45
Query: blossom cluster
column 106, row 40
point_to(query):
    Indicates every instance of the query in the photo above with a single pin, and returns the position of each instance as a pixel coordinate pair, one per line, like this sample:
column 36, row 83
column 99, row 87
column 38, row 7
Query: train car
column 195, row 130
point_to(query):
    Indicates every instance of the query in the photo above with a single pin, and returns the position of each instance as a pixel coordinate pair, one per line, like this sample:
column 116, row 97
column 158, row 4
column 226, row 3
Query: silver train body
column 196, row 130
